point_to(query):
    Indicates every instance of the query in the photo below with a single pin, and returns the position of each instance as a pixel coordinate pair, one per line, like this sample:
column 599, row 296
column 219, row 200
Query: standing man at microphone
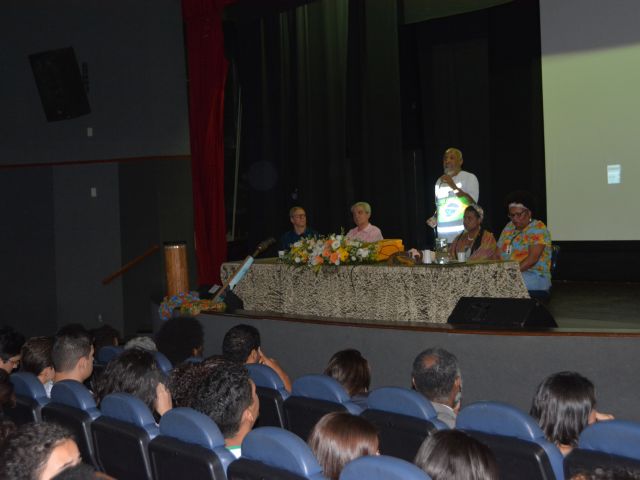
column 455, row 191
column 298, row 218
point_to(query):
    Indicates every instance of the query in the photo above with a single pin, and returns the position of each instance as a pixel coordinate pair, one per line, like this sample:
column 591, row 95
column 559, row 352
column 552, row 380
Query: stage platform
column 504, row 365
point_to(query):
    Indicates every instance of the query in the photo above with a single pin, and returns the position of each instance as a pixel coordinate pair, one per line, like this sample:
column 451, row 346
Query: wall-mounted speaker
column 501, row 312
column 60, row 85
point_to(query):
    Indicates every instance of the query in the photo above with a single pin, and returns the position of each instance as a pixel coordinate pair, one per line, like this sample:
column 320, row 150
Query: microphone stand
column 233, row 280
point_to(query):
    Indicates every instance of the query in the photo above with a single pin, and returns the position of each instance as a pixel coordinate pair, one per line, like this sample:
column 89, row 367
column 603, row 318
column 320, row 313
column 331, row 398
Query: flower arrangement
column 188, row 303
column 330, row 250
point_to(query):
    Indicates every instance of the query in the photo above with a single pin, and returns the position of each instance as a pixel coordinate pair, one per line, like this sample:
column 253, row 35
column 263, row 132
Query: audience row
column 221, row 388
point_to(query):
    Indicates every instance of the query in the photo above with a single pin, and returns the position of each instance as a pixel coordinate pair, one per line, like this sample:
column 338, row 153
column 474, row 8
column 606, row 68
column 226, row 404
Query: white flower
column 353, row 259
column 297, row 259
column 335, row 244
column 339, row 237
column 298, row 244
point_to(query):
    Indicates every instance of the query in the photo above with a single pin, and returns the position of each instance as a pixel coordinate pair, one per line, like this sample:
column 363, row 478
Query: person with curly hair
column 226, row 394
column 38, row 451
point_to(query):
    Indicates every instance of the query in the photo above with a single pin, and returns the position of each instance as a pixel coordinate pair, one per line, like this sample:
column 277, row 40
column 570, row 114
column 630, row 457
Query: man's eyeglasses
column 519, row 214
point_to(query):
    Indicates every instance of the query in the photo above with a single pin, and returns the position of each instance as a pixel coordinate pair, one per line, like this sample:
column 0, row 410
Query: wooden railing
column 128, row 266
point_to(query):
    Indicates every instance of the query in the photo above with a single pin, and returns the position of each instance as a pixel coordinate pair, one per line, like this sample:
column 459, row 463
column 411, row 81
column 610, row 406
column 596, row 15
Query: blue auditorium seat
column 121, row 437
column 382, row 467
column 272, row 394
column 108, row 353
column 72, row 405
column 190, row 445
column 404, row 419
column 516, row 440
column 312, row 397
column 163, row 362
column 30, row 398
column 276, row 454
column 614, row 443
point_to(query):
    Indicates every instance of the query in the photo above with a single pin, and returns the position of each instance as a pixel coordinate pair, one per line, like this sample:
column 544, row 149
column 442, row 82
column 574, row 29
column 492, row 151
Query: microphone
column 262, row 246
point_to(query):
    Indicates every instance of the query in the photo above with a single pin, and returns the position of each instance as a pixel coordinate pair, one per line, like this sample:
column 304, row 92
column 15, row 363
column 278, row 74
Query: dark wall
column 27, row 250
column 136, row 72
column 60, row 242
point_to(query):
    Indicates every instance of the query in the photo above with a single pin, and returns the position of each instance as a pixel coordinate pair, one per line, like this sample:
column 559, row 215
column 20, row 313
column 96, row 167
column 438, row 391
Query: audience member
column 225, row 393
column 340, row 437
column 363, row 231
column 7, row 395
column 81, row 471
column 563, row 406
column 352, row 370
column 180, row 338
column 618, row 473
column 72, row 354
column 455, row 455
column 146, row 343
column 36, row 359
column 185, row 377
column 298, row 218
column 136, row 372
column 436, row 375
column 10, row 345
column 105, row 336
column 241, row 344
column 38, row 451
column 7, row 427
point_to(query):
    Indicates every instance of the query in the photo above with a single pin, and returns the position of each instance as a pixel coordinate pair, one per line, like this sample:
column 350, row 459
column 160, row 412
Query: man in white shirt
column 455, row 191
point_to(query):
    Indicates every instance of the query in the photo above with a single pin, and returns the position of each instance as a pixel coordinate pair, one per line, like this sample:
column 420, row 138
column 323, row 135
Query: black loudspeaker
column 59, row 83
column 501, row 312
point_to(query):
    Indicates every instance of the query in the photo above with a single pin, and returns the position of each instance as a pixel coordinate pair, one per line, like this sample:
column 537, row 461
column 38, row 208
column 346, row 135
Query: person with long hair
column 352, row 371
column 455, row 455
column 340, row 437
column 564, row 405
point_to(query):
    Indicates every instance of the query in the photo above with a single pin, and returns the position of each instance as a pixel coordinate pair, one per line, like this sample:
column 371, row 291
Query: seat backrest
column 108, row 353
column 272, row 394
column 382, row 467
column 614, row 443
column 516, row 440
column 73, row 406
column 275, row 453
column 163, row 362
column 121, row 437
column 30, row 398
column 404, row 419
column 312, row 397
column 190, row 445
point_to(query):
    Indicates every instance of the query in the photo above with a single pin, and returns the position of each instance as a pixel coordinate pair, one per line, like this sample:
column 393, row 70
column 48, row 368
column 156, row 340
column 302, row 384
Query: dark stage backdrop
column 341, row 103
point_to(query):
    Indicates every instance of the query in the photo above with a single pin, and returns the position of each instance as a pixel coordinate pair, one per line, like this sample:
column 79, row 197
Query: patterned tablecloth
column 423, row 293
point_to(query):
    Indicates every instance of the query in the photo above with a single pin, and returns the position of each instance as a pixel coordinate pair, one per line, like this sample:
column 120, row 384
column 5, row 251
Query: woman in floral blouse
column 527, row 241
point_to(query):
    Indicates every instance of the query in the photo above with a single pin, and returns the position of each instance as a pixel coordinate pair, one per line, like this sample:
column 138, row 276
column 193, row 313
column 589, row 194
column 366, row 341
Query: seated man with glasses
column 526, row 241
column 298, row 218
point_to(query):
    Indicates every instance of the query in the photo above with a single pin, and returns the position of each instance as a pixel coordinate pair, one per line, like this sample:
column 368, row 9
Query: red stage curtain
column 207, row 76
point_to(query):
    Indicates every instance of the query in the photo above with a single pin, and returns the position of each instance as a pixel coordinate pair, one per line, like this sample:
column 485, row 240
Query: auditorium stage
column 502, row 365
column 596, row 305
